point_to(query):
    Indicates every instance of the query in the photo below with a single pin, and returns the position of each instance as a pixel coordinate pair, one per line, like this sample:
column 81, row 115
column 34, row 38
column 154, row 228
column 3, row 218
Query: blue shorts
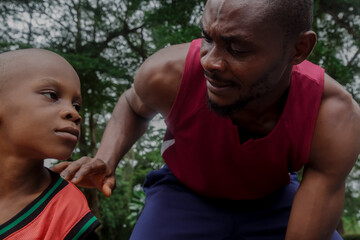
column 172, row 211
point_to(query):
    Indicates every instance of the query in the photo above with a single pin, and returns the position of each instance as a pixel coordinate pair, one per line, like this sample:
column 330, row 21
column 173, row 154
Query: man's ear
column 304, row 45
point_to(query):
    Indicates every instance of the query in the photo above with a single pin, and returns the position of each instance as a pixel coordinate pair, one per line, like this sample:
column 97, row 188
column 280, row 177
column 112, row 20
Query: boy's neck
column 20, row 184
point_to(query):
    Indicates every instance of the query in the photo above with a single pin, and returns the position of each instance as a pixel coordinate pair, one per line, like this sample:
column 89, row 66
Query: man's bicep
column 336, row 141
column 138, row 106
column 158, row 79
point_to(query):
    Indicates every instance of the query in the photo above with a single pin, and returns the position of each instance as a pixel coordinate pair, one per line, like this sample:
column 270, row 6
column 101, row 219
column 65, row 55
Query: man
column 244, row 110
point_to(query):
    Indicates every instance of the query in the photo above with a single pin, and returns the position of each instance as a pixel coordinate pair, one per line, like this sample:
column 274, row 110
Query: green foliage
column 352, row 237
column 135, row 206
column 351, row 225
column 114, row 210
column 174, row 22
column 337, row 24
column 351, row 214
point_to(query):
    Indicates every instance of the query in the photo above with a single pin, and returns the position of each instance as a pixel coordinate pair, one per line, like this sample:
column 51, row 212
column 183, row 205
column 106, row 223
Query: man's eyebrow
column 234, row 38
column 203, row 31
column 230, row 38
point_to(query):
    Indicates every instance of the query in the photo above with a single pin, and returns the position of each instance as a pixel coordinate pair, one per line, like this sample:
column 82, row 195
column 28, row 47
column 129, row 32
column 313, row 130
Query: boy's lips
column 69, row 130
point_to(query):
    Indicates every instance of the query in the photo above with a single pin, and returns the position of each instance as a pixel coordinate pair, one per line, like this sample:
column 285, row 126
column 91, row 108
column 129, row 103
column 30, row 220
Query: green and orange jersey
column 60, row 212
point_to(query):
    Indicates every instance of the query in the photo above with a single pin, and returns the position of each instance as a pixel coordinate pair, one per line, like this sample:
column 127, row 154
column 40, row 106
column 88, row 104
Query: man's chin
column 225, row 110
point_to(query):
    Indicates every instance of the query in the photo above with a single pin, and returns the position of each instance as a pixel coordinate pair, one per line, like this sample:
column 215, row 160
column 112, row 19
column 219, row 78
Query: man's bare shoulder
column 336, row 141
column 157, row 80
column 337, row 100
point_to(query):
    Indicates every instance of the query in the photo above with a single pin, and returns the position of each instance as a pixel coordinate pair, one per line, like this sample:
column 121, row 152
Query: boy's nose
column 71, row 114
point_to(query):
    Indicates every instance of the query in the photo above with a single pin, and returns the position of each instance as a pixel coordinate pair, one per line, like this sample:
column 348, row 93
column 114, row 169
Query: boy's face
column 39, row 107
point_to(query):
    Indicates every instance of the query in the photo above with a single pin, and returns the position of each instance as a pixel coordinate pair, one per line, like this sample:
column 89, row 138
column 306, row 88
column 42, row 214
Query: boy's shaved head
column 23, row 62
column 2, row 72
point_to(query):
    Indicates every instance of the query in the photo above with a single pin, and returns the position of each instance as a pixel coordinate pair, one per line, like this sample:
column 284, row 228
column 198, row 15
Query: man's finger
column 60, row 167
column 69, row 172
column 108, row 186
column 94, row 167
column 106, row 190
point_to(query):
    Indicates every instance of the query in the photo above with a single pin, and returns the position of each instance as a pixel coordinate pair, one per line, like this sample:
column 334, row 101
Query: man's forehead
column 218, row 6
column 233, row 13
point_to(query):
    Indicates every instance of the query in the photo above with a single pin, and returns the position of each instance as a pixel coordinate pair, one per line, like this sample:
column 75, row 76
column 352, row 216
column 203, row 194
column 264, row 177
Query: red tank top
column 203, row 149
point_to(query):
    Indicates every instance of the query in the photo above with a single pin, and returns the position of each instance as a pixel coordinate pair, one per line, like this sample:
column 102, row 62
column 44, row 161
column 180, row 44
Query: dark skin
column 238, row 60
column 40, row 96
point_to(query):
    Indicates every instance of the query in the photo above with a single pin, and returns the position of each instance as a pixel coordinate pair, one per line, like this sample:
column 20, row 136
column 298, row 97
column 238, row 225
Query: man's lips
column 69, row 130
column 217, row 87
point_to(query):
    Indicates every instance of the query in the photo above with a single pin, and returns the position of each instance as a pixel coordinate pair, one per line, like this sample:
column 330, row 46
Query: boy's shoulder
column 70, row 210
column 66, row 196
column 61, row 210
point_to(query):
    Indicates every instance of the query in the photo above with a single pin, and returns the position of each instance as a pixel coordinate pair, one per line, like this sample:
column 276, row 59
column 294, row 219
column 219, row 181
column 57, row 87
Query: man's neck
column 260, row 117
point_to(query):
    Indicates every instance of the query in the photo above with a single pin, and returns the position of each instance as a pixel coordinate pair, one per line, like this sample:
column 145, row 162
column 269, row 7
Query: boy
column 40, row 101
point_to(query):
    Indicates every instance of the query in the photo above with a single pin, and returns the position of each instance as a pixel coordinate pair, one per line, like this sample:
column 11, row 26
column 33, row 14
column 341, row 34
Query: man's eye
column 51, row 95
column 238, row 52
column 77, row 106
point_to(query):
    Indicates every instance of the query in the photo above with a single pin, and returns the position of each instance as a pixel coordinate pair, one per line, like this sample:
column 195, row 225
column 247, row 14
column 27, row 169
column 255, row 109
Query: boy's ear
column 303, row 46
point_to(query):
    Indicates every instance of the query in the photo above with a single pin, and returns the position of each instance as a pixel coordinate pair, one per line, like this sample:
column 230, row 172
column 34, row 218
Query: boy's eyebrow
column 56, row 83
column 50, row 81
column 201, row 25
column 78, row 99
column 202, row 28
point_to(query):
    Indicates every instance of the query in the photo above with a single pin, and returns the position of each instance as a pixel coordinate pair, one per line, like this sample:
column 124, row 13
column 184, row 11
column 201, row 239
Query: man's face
column 242, row 54
column 39, row 113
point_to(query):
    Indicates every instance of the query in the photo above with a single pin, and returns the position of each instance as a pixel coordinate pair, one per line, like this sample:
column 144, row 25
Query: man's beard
column 259, row 89
column 228, row 110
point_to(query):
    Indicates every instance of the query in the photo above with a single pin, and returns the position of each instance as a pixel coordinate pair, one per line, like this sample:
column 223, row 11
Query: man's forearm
column 124, row 128
column 315, row 212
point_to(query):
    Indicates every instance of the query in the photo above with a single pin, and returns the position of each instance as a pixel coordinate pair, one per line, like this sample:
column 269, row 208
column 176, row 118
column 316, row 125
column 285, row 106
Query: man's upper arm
column 318, row 203
column 336, row 141
column 157, row 81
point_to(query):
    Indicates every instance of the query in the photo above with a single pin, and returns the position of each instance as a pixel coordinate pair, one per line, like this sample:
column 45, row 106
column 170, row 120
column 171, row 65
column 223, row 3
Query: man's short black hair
column 294, row 16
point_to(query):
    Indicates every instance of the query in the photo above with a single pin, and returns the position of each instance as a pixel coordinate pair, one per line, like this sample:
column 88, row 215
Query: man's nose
column 213, row 60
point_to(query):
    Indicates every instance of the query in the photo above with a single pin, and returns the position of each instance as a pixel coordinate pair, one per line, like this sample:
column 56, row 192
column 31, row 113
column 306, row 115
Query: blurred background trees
column 107, row 40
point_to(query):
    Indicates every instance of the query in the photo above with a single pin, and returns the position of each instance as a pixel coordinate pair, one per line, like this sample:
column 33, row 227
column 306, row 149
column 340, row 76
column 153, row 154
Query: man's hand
column 89, row 173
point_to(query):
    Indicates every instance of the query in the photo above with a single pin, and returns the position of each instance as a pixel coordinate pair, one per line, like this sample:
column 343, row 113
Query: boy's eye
column 206, row 37
column 77, row 106
column 51, row 95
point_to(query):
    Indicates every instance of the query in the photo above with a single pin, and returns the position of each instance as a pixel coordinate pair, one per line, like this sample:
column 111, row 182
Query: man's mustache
column 214, row 76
